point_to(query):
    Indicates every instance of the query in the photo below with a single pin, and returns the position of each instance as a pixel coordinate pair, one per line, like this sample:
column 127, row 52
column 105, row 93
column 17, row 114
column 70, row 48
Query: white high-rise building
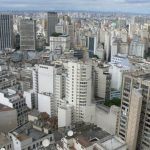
column 42, row 75
column 78, row 89
column 45, row 77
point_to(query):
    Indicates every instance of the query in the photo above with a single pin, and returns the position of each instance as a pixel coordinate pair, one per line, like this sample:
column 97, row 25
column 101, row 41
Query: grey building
column 6, row 31
column 27, row 34
column 8, row 117
column 52, row 21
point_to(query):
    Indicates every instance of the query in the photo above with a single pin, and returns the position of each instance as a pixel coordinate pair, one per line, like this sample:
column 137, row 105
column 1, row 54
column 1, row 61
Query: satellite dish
column 2, row 149
column 46, row 143
column 70, row 133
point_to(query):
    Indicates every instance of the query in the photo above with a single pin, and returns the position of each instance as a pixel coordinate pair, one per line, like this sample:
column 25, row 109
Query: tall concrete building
column 78, row 90
column 102, row 82
column 134, row 124
column 6, row 31
column 52, row 22
column 27, row 34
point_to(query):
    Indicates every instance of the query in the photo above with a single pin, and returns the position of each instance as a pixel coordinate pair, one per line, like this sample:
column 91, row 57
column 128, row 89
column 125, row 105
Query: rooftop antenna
column 46, row 143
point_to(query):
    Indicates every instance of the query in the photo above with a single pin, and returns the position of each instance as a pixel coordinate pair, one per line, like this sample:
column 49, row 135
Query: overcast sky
column 138, row 6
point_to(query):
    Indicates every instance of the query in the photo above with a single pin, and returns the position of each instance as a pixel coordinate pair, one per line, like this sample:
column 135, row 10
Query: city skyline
column 131, row 6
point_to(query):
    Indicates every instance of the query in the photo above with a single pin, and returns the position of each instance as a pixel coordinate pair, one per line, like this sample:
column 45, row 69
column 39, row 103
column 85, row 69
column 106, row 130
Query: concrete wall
column 107, row 118
column 44, row 103
column 8, row 120
column 46, row 79
column 64, row 116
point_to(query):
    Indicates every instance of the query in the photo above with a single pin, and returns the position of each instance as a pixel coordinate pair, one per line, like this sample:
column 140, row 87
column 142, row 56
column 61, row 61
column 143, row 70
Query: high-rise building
column 134, row 124
column 102, row 82
column 52, row 21
column 78, row 89
column 6, row 31
column 27, row 34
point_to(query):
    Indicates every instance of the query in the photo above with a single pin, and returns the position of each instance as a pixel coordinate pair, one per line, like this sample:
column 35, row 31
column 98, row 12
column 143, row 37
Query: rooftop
column 86, row 134
column 27, row 131
column 113, row 143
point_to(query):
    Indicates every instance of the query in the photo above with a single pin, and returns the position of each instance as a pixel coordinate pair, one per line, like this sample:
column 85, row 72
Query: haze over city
column 131, row 6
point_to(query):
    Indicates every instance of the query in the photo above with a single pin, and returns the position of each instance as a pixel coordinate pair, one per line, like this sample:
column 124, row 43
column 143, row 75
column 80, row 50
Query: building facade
column 6, row 31
column 134, row 123
column 27, row 34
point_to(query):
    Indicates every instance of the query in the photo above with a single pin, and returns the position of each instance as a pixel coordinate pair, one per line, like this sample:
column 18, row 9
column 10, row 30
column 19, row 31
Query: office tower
column 6, row 31
column 52, row 21
column 78, row 88
column 27, row 34
column 92, row 45
column 134, row 124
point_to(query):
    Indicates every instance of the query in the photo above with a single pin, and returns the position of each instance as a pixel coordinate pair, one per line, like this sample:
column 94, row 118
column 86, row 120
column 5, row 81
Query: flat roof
column 27, row 131
column 113, row 144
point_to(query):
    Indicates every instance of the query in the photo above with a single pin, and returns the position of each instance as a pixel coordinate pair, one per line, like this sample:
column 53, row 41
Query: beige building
column 102, row 83
column 8, row 118
column 134, row 124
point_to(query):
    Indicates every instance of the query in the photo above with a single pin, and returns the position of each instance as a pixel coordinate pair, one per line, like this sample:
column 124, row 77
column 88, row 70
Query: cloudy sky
column 138, row 6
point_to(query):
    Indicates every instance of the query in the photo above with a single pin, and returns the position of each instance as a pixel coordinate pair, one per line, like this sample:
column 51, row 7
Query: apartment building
column 102, row 82
column 134, row 124
column 79, row 90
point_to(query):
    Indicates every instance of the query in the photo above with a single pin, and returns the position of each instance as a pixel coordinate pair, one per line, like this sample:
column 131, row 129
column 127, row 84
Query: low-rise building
column 60, row 41
column 5, row 142
column 29, row 137
column 90, row 138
